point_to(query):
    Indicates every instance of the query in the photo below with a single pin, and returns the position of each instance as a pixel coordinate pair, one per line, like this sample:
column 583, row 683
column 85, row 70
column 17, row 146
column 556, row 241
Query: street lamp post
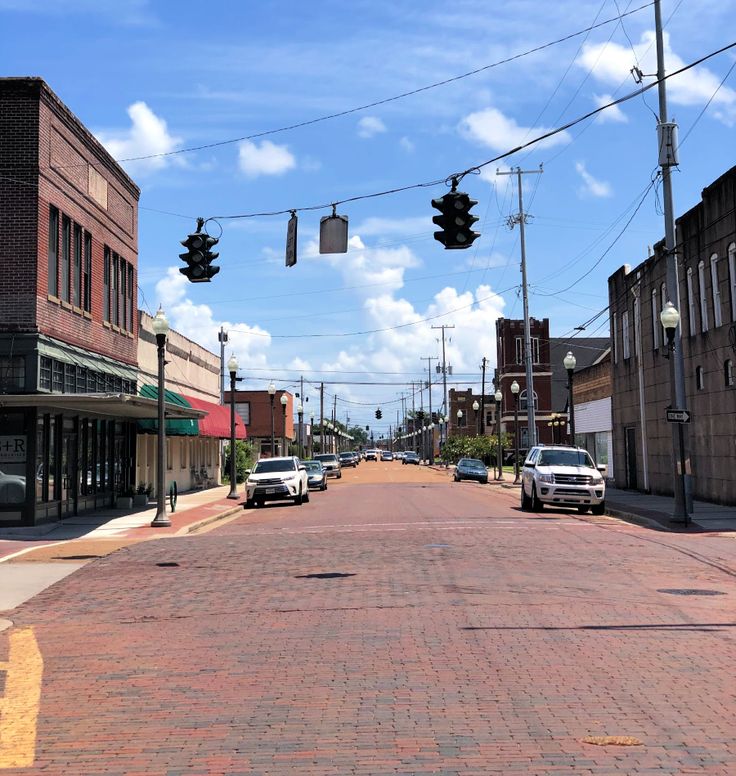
column 161, row 329
column 476, row 407
column 459, row 421
column 271, row 394
column 499, row 451
column 232, row 366
column 300, row 414
column 284, row 401
column 569, row 362
column 431, row 443
column 670, row 318
column 515, row 393
column 311, row 434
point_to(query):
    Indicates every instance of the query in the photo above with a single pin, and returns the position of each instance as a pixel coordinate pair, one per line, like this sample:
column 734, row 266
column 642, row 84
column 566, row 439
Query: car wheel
column 536, row 504
column 599, row 509
column 249, row 503
column 339, row 476
column 306, row 497
column 259, row 502
column 583, row 510
column 298, row 500
column 324, row 487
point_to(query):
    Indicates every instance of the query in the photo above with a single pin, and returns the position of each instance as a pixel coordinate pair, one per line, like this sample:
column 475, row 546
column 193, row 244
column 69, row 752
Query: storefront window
column 13, row 458
column 41, row 467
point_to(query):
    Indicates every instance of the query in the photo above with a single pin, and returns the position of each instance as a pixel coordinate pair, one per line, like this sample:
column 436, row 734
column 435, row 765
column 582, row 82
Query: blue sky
column 154, row 77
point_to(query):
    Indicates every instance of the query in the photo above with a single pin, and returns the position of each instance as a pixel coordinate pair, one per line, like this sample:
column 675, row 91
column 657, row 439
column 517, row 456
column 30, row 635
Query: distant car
column 12, row 488
column 371, row 455
column 347, row 459
column 316, row 475
column 471, row 469
column 410, row 457
column 277, row 478
column 399, row 456
column 356, row 455
column 330, row 463
column 387, row 455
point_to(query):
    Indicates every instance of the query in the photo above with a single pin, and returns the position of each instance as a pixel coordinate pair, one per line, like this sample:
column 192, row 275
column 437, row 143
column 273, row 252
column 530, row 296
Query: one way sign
column 678, row 416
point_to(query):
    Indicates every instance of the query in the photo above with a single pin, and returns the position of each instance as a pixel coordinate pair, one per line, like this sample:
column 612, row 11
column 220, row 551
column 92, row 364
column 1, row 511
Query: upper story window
column 520, row 350
column 53, row 261
column 66, row 235
column 693, row 327
column 106, row 286
column 703, row 297
column 732, row 277
column 715, row 291
column 71, row 261
column 523, row 402
column 625, row 334
column 699, row 378
column 656, row 323
column 614, row 337
column 728, row 373
column 637, row 326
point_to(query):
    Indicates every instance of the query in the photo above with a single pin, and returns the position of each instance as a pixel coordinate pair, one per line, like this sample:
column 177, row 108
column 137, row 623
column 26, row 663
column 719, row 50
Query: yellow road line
column 20, row 704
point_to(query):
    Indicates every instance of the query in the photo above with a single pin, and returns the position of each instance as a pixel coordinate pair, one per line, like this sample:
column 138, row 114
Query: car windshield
column 410, row 455
column 325, row 457
column 264, row 467
column 472, row 463
column 565, row 458
column 313, row 466
column 346, row 456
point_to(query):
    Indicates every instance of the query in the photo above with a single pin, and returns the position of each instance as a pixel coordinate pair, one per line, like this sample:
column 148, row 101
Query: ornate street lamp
column 232, row 367
column 311, row 434
column 431, row 443
column 161, row 329
column 670, row 318
column 284, row 401
column 459, row 420
column 515, row 393
column 499, row 451
column 300, row 415
column 271, row 394
column 476, row 407
column 569, row 362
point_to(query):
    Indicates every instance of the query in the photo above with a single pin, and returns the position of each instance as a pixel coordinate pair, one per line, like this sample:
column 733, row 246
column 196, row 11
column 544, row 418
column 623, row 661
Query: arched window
column 522, row 401
column 699, row 378
column 691, row 302
column 728, row 373
column 703, row 297
column 715, row 291
column 732, row 277
column 656, row 323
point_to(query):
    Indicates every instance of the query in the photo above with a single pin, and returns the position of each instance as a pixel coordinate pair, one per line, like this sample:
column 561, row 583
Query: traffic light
column 199, row 257
column 379, row 414
column 456, row 220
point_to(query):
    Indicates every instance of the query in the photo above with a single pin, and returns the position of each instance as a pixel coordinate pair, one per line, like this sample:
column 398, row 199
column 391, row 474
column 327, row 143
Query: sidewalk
column 652, row 511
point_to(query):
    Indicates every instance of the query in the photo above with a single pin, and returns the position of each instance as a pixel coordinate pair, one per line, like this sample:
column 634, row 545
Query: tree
column 243, row 459
column 359, row 435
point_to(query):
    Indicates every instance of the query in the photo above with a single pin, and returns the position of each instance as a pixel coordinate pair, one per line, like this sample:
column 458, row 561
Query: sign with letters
column 13, row 448
column 678, row 416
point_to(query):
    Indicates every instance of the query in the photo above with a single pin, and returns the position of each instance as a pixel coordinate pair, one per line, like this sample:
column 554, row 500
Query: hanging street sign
column 678, row 416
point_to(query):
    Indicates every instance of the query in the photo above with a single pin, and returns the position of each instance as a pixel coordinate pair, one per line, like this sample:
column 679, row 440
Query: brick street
column 396, row 624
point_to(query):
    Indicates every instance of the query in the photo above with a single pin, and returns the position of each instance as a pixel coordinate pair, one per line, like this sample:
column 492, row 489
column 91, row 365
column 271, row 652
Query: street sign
column 678, row 416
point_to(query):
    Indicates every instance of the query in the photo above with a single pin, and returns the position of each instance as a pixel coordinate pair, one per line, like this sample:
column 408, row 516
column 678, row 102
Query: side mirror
column 530, row 465
column 302, row 468
column 247, row 472
column 602, row 468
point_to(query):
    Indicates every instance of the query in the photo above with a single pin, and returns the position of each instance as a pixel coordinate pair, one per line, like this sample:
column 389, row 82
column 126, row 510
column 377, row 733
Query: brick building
column 706, row 251
column 254, row 407
column 68, row 317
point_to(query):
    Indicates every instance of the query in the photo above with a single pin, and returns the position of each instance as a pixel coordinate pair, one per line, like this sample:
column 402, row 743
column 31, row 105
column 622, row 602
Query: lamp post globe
column 569, row 364
column 161, row 328
column 670, row 319
column 515, row 388
column 569, row 361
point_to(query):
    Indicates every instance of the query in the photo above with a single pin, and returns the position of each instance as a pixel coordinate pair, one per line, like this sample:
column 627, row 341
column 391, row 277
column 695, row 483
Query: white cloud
column 148, row 134
column 591, row 186
column 614, row 113
column 491, row 128
column 266, row 159
column 407, row 145
column 610, row 63
column 369, row 126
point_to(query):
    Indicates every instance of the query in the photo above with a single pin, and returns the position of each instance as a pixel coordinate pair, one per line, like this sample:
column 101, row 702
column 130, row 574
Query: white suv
column 563, row 476
column 277, row 478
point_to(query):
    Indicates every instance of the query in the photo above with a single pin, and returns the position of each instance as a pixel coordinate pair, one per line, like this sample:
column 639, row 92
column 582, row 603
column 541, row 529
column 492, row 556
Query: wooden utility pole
column 482, row 424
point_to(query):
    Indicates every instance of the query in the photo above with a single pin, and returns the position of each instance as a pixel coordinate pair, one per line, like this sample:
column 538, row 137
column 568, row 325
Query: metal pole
column 481, row 429
column 233, row 471
column 322, row 418
column 273, row 443
column 516, row 438
column 301, row 443
column 681, row 485
column 283, row 430
column 161, row 520
column 572, row 406
column 499, row 450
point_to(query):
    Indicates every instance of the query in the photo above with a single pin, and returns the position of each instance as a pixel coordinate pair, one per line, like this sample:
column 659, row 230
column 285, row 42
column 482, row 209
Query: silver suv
column 562, row 476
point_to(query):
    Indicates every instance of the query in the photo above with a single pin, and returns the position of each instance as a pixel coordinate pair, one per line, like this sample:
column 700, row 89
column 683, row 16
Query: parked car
column 347, row 459
column 331, row 464
column 371, row 455
column 12, row 488
column 387, row 455
column 356, row 455
column 316, row 475
column 471, row 469
column 272, row 479
column 562, row 476
column 410, row 457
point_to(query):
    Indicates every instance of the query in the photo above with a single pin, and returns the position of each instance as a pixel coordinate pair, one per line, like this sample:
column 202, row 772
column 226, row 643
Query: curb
column 631, row 517
column 192, row 527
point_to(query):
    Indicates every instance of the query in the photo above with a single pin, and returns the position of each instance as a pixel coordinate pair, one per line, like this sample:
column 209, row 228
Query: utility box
column 333, row 234
column 668, row 144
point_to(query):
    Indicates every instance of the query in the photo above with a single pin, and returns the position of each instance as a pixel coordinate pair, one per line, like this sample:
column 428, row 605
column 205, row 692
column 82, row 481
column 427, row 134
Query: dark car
column 471, row 469
column 347, row 459
column 316, row 475
column 410, row 457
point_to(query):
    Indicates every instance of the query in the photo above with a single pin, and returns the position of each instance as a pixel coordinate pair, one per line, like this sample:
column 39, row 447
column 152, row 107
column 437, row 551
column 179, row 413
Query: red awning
column 217, row 422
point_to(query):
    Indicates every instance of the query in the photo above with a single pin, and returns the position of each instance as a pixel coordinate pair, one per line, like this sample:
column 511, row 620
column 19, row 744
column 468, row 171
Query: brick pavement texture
column 465, row 638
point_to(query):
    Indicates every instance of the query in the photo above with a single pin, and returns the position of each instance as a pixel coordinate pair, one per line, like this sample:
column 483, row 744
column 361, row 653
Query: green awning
column 173, row 427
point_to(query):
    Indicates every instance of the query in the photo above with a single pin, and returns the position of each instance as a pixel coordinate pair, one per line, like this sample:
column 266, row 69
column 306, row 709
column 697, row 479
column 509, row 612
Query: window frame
column 699, row 378
column 715, row 292
column 692, row 322
column 732, row 277
column 52, row 283
column 702, row 297
column 65, row 263
column 656, row 322
column 87, row 273
column 625, row 343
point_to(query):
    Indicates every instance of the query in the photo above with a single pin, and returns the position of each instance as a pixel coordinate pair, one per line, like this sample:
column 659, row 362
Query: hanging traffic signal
column 199, row 257
column 456, row 220
column 379, row 414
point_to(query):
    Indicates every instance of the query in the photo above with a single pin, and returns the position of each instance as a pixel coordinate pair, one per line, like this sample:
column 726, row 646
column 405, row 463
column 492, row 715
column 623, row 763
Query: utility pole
column 521, row 220
column 429, row 360
column 667, row 141
column 321, row 418
column 444, row 376
column 482, row 430
column 334, row 423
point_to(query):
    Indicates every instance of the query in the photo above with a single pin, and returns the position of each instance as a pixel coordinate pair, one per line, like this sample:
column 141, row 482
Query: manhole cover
column 689, row 591
column 325, row 575
column 167, row 564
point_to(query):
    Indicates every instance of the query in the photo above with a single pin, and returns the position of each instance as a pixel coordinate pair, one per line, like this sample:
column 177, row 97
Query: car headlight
column 546, row 478
column 597, row 478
